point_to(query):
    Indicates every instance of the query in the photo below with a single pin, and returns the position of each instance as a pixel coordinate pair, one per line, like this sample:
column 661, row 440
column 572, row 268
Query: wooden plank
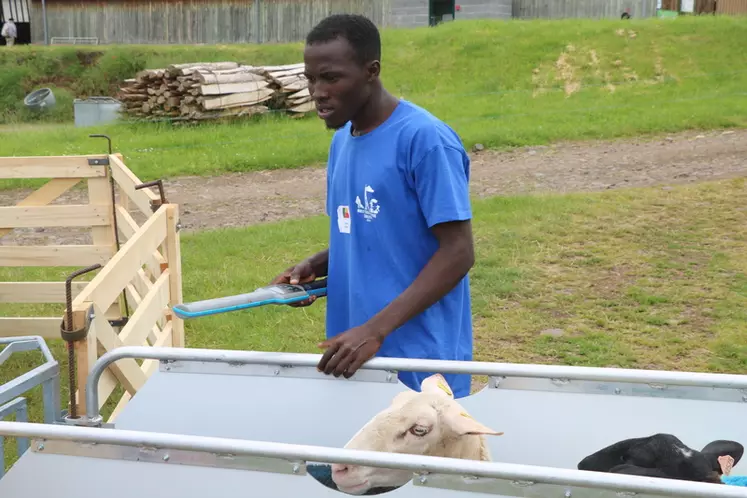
column 238, row 99
column 46, row 327
column 113, row 278
column 127, row 181
column 70, row 215
column 135, row 300
column 128, row 228
column 73, row 255
column 174, row 258
column 45, row 194
column 227, row 88
column 37, row 292
column 99, row 193
column 148, row 312
column 127, row 371
column 50, row 167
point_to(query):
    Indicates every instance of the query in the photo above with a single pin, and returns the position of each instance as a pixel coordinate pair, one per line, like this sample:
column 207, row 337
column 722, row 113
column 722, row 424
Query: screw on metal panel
column 744, row 398
column 166, row 457
column 567, row 494
column 40, row 447
column 423, row 479
column 296, row 468
column 389, row 377
column 496, row 382
column 617, row 390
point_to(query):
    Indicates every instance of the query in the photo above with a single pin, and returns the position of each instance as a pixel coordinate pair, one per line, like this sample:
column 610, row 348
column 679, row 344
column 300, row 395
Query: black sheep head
column 665, row 456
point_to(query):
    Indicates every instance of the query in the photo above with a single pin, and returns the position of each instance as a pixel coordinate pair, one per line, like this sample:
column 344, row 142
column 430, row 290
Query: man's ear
column 437, row 384
column 462, row 423
column 373, row 69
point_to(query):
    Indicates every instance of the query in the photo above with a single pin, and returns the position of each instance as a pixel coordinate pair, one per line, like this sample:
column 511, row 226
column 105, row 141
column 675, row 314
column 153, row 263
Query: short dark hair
column 358, row 30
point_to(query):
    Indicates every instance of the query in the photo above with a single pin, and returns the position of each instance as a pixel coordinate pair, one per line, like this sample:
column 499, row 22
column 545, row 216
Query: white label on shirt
column 343, row 219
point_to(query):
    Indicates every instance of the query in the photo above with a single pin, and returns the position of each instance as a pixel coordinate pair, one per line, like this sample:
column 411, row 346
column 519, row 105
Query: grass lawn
column 644, row 278
column 497, row 83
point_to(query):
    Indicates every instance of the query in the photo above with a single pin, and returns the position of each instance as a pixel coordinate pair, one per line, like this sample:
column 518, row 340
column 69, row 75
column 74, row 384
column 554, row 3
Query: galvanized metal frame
column 649, row 383
column 461, row 476
column 490, row 477
column 11, row 401
column 47, row 375
column 19, row 407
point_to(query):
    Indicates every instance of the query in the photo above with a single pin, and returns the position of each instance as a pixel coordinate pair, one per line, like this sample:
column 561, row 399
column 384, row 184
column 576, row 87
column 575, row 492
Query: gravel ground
column 235, row 200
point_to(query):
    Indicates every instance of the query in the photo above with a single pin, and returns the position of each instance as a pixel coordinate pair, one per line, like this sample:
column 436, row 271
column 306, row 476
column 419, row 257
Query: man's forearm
column 439, row 276
column 319, row 262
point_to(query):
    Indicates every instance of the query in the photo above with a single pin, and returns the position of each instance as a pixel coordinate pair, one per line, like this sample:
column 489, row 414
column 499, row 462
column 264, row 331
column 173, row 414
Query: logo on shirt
column 369, row 207
column 343, row 219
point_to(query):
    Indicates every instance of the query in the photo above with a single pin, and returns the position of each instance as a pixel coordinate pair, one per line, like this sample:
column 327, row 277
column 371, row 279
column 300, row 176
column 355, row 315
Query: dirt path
column 234, row 200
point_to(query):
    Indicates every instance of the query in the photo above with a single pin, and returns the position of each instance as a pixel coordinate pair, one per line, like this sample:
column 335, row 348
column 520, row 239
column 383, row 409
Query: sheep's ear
column 462, row 423
column 436, row 383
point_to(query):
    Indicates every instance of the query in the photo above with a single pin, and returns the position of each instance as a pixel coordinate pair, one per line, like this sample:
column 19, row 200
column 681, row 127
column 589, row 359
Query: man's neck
column 379, row 107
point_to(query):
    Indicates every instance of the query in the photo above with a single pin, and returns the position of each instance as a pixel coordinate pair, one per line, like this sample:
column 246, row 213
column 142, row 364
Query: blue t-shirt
column 385, row 189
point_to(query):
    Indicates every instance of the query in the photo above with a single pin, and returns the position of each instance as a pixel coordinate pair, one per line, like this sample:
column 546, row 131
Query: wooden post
column 173, row 258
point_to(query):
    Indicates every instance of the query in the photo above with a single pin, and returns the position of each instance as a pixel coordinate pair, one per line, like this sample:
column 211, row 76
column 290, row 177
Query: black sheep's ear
column 722, row 447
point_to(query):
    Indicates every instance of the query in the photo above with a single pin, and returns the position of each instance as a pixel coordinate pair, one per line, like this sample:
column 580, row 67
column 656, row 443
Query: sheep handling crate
column 204, row 424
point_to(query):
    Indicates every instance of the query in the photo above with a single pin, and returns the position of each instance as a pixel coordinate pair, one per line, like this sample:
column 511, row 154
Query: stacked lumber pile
column 201, row 91
column 290, row 85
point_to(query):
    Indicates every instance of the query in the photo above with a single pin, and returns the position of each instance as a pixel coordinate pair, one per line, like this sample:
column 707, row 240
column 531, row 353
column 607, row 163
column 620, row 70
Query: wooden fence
column 195, row 21
column 595, row 9
column 731, row 7
column 146, row 268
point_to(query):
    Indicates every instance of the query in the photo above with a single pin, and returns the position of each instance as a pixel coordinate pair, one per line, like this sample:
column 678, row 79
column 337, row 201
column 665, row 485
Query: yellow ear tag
column 445, row 388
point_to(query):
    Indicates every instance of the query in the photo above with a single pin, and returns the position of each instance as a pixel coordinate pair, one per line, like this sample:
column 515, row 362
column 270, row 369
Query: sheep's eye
column 418, row 430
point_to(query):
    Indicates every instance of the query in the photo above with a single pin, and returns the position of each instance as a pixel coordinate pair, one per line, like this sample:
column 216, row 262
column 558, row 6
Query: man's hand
column 301, row 273
column 455, row 256
column 348, row 351
column 306, row 271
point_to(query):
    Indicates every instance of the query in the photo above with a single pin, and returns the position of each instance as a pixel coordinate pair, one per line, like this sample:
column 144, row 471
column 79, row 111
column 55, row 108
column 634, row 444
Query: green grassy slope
column 497, row 83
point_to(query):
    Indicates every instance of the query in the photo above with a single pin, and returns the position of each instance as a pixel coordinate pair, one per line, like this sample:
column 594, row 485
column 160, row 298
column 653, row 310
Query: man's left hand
column 346, row 352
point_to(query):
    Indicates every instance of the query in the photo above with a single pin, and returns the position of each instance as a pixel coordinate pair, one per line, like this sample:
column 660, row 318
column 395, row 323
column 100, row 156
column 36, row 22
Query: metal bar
column 51, row 399
column 27, row 381
column 16, row 347
column 46, row 374
column 414, row 463
column 46, row 28
column 20, row 408
column 710, row 380
column 39, row 341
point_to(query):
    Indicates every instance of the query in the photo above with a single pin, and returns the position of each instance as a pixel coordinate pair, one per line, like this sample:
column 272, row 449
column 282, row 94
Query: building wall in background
column 194, row 21
column 594, row 9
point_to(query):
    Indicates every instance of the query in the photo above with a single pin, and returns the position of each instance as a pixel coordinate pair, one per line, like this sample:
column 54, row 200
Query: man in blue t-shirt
column 400, row 241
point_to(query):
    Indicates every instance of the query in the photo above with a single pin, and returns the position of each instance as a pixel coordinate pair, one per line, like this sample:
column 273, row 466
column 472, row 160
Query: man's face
column 337, row 83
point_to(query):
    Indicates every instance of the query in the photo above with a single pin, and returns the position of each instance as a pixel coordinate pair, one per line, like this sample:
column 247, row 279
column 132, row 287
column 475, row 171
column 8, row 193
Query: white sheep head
column 430, row 422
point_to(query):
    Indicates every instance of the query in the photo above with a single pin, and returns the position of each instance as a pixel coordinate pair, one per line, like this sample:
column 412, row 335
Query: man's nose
column 317, row 92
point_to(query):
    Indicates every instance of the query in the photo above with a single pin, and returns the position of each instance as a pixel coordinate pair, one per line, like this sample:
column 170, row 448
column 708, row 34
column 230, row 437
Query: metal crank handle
column 271, row 294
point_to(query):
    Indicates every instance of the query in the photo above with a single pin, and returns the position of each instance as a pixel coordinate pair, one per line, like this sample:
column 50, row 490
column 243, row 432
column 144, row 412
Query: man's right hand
column 299, row 274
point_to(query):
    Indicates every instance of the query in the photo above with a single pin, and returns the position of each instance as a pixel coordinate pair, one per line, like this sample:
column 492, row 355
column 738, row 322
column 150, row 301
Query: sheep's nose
column 339, row 468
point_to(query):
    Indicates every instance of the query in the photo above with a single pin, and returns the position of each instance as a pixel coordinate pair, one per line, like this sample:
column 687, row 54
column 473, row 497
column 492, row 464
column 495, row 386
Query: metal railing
column 93, row 416
column 46, row 375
